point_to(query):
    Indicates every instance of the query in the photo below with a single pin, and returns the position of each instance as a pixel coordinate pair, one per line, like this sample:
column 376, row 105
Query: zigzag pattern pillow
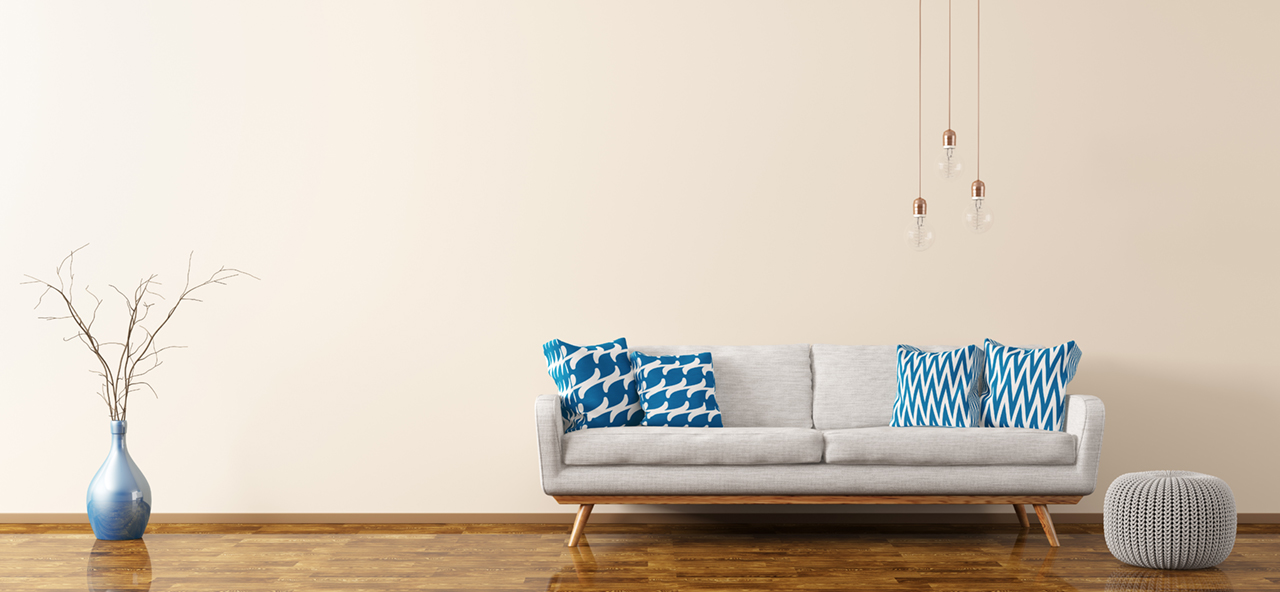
column 596, row 383
column 678, row 391
column 938, row 389
column 1027, row 387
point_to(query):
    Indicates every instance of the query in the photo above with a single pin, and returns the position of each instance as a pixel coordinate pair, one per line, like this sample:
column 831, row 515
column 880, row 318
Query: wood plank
column 47, row 520
column 818, row 499
column 626, row 557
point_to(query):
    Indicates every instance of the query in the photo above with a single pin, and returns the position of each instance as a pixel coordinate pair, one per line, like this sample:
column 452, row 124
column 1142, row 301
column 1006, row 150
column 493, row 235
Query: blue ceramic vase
column 119, row 497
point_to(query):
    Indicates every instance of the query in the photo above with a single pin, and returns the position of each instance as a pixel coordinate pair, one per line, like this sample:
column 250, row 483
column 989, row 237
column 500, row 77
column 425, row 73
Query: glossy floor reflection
column 119, row 566
column 916, row 559
column 612, row 557
column 1135, row 579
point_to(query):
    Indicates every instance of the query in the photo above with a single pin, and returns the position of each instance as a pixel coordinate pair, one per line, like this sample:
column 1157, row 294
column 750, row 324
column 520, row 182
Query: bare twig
column 139, row 343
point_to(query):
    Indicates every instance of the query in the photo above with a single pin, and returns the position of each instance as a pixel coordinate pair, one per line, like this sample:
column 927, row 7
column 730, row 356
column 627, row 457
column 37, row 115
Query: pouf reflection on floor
column 1140, row 579
column 1169, row 519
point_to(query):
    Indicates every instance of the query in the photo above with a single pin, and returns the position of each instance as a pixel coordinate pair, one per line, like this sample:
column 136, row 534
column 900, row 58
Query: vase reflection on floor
column 119, row 566
column 119, row 498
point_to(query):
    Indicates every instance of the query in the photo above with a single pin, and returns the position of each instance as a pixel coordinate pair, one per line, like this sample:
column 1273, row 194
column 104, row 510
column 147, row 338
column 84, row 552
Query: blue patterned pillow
column 596, row 384
column 678, row 391
column 938, row 389
column 1026, row 387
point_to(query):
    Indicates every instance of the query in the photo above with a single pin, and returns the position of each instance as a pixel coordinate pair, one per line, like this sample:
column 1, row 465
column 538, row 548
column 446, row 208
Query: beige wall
column 431, row 190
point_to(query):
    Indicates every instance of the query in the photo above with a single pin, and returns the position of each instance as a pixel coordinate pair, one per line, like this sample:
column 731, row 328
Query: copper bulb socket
column 948, row 139
column 978, row 189
column 919, row 207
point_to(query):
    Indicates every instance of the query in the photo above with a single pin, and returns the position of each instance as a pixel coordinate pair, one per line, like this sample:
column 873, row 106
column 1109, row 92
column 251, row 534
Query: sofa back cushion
column 757, row 386
column 854, row 385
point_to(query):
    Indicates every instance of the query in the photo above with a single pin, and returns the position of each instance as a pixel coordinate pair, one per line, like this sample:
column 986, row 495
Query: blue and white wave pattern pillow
column 596, row 383
column 678, row 391
column 1026, row 388
column 939, row 389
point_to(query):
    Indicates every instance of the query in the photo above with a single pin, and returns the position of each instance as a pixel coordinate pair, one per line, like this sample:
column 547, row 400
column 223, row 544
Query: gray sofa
column 810, row 425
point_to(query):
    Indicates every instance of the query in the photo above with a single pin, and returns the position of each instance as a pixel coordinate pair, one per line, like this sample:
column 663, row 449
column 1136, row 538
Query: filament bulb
column 950, row 165
column 977, row 216
column 919, row 236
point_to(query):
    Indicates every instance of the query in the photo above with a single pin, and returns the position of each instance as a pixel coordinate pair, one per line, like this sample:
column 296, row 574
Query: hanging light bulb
column 919, row 235
column 977, row 216
column 950, row 165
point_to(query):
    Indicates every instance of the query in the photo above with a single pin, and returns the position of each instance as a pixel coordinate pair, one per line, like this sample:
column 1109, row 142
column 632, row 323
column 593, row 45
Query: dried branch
column 139, row 354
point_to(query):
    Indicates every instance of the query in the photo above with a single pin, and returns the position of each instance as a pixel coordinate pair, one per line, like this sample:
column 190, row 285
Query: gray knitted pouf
column 1169, row 520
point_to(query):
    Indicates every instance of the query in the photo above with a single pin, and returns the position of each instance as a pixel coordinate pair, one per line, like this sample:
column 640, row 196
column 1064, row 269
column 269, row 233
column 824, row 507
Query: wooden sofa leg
column 1042, row 512
column 1022, row 515
column 584, row 512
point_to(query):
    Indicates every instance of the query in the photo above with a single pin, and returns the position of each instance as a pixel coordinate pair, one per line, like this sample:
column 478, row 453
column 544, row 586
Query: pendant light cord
column 948, row 64
column 920, row 98
column 978, row 165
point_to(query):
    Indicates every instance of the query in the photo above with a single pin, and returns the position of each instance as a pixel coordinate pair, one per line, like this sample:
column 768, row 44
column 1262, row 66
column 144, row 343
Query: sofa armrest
column 1085, row 419
column 550, row 429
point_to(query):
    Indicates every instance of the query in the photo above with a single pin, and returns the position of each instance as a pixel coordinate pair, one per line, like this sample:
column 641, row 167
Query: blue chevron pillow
column 1026, row 388
column 938, row 389
column 678, row 391
column 597, row 386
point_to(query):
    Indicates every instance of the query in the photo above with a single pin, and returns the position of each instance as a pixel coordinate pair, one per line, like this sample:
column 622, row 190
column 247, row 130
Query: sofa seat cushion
column 645, row 445
column 944, row 446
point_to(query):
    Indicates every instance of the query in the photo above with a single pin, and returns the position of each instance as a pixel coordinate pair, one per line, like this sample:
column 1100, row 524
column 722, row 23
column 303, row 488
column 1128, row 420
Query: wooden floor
column 612, row 557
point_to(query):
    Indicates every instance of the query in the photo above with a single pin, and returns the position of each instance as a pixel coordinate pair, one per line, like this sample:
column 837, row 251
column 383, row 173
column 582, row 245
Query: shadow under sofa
column 810, row 425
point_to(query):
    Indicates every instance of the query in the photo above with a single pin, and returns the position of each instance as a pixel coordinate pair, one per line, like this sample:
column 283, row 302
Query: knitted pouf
column 1169, row 520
